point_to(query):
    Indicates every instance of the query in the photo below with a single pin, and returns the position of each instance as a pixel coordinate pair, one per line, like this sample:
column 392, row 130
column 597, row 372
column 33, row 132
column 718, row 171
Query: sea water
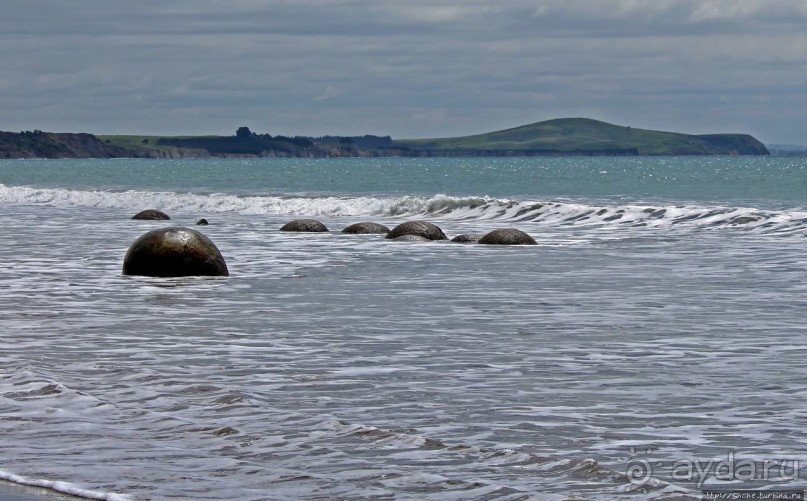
column 653, row 344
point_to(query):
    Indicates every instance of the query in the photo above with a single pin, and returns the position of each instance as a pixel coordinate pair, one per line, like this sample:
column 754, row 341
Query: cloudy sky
column 406, row 68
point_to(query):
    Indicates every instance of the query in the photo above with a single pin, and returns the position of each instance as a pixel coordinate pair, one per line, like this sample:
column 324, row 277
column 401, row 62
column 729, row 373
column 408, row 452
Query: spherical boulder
column 411, row 238
column 420, row 228
column 151, row 214
column 507, row 236
column 202, row 222
column 366, row 229
column 467, row 238
column 304, row 225
column 174, row 252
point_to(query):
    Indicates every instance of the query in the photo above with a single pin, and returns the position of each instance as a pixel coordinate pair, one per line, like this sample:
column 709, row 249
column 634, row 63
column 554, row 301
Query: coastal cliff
column 38, row 144
column 559, row 137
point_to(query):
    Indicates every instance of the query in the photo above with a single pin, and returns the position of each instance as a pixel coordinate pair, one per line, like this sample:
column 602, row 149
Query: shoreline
column 559, row 137
column 11, row 491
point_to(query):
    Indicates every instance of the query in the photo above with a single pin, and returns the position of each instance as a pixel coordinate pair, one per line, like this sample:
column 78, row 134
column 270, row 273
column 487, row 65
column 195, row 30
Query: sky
column 404, row 68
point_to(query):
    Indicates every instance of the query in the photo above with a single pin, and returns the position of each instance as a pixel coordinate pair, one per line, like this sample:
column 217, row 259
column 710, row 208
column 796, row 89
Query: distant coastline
column 788, row 150
column 559, row 137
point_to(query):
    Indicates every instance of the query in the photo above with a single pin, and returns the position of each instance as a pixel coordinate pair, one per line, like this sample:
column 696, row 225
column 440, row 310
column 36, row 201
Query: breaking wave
column 62, row 487
column 556, row 213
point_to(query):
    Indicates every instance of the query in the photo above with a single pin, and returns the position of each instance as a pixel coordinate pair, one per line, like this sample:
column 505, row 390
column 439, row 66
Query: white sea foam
column 351, row 367
column 62, row 487
column 217, row 202
column 336, row 366
column 443, row 206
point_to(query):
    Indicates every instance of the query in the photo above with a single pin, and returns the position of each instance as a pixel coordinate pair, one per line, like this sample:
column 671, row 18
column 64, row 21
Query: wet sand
column 16, row 492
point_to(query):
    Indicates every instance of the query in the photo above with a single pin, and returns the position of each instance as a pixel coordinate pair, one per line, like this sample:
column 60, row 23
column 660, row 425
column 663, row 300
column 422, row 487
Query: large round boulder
column 174, row 252
column 366, row 229
column 304, row 225
column 420, row 228
column 507, row 236
column 151, row 214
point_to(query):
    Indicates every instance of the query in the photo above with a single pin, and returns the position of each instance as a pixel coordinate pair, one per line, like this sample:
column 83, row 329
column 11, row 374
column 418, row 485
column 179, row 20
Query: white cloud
column 726, row 10
column 608, row 9
column 436, row 12
column 675, row 11
column 329, row 93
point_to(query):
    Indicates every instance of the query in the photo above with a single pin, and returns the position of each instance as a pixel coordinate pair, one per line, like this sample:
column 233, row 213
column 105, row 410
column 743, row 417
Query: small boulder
column 202, row 222
column 420, row 228
column 467, row 238
column 366, row 229
column 744, row 220
column 507, row 236
column 411, row 238
column 304, row 225
column 174, row 252
column 151, row 214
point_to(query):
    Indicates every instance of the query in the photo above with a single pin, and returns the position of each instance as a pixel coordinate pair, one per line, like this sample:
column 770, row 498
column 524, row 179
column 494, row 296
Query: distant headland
column 559, row 137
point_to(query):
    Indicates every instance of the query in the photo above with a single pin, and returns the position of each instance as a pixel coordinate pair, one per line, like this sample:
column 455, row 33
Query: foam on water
column 62, row 487
column 483, row 208
column 339, row 366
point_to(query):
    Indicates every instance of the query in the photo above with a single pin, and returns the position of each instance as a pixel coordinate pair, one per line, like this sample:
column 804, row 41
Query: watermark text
column 641, row 470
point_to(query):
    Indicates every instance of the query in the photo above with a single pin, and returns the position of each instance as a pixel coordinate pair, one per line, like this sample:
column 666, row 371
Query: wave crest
column 440, row 205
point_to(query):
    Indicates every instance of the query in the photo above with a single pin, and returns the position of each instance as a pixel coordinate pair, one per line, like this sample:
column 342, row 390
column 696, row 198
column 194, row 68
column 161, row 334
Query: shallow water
column 335, row 366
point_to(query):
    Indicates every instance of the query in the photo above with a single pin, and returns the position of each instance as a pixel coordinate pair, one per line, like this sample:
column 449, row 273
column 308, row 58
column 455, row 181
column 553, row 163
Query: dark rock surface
column 202, row 222
column 467, row 238
column 151, row 214
column 174, row 252
column 366, row 228
column 744, row 220
column 304, row 225
column 507, row 236
column 420, row 228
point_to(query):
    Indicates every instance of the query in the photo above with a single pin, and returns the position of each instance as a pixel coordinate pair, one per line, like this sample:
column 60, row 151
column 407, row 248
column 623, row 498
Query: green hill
column 563, row 136
column 583, row 136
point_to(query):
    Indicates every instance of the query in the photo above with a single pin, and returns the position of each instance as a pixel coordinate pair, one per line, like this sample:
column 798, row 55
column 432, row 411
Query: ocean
column 652, row 345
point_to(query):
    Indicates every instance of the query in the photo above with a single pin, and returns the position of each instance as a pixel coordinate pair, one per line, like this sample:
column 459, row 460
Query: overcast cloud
column 408, row 69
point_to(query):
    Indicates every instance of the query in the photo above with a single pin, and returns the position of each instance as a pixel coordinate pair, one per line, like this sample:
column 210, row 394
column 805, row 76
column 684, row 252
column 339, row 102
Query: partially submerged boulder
column 744, row 220
column 304, row 225
column 467, row 238
column 420, row 228
column 174, row 252
column 507, row 236
column 151, row 214
column 202, row 222
column 366, row 228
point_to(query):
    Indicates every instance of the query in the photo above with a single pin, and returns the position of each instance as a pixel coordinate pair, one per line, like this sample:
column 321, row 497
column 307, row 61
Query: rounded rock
column 366, row 228
column 744, row 220
column 420, row 228
column 151, row 214
column 304, row 225
column 507, row 236
column 174, row 252
column 467, row 238
column 202, row 222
